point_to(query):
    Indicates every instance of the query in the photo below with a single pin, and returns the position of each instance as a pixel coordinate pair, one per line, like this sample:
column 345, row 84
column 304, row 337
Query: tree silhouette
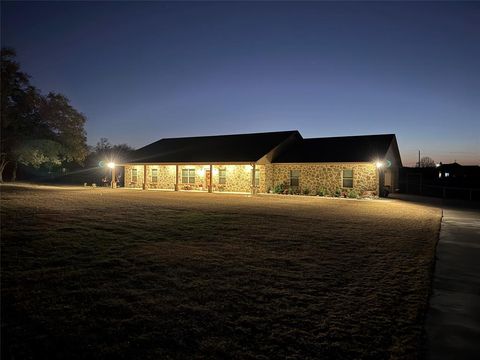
column 46, row 126
column 426, row 162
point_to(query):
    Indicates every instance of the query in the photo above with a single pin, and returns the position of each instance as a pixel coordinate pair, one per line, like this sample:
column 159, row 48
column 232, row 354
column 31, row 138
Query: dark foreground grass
column 104, row 274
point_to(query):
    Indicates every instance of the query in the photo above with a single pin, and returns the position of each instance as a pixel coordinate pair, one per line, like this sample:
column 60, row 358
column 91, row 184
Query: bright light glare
column 437, row 165
column 379, row 164
column 111, row 165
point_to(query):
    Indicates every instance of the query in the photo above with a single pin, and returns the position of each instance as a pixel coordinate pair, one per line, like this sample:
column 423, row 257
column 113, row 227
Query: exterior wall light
column 111, row 165
column 379, row 164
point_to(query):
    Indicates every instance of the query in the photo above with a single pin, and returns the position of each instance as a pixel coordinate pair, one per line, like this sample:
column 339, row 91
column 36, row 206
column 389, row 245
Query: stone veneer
column 238, row 177
column 313, row 176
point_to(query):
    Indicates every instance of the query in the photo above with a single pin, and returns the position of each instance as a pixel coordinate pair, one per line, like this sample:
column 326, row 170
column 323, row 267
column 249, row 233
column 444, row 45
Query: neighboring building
column 259, row 162
column 445, row 180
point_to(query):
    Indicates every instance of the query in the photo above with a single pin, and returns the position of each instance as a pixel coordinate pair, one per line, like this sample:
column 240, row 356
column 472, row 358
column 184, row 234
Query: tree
column 104, row 151
column 66, row 125
column 426, row 162
column 29, row 118
column 37, row 153
column 19, row 105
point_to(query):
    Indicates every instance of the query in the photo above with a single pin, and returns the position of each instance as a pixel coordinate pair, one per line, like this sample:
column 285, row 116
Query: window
column 257, row 177
column 222, row 176
column 154, row 175
column 347, row 177
column 447, row 174
column 134, row 175
column 188, row 176
column 294, row 177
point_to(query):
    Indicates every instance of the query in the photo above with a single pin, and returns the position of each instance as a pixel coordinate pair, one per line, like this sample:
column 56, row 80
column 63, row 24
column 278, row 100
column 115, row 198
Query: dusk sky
column 141, row 71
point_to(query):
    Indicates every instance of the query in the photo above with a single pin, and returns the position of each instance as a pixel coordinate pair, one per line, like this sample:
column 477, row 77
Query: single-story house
column 259, row 162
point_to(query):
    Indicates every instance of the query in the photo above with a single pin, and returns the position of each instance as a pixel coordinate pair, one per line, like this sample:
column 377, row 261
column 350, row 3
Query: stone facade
column 328, row 176
column 238, row 178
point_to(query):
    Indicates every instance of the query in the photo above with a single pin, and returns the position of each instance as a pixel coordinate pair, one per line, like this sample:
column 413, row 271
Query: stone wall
column 238, row 177
column 313, row 177
column 327, row 176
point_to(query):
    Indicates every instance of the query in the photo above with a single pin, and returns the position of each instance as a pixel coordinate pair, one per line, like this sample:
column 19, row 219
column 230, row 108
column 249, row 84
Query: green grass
column 128, row 274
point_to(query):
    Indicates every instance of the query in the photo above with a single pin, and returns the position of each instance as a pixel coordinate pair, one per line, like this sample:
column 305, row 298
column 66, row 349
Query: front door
column 207, row 179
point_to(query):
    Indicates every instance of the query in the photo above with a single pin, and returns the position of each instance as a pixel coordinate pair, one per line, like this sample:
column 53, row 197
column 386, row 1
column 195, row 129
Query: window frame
column 222, row 176
column 190, row 178
column 257, row 177
column 154, row 177
column 296, row 178
column 348, row 178
column 134, row 175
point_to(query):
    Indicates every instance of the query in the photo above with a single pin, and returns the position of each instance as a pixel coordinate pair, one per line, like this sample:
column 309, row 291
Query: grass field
column 120, row 274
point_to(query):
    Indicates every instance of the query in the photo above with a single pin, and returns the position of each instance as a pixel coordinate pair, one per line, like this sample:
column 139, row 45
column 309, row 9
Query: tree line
column 40, row 130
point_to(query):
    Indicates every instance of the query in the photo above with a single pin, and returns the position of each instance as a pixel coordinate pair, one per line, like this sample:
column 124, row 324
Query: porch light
column 111, row 165
column 379, row 164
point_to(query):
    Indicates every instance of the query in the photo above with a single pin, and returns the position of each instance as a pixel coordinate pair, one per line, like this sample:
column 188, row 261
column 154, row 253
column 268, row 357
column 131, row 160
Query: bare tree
column 426, row 162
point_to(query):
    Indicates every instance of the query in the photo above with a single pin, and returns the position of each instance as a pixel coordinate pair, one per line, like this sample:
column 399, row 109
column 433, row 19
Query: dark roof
column 364, row 148
column 220, row 148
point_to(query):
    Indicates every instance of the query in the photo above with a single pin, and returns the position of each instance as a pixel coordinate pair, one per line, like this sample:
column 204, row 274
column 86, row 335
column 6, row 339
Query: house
column 259, row 162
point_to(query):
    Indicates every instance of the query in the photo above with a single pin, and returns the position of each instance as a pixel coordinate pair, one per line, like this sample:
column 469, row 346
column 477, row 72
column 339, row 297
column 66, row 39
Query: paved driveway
column 453, row 321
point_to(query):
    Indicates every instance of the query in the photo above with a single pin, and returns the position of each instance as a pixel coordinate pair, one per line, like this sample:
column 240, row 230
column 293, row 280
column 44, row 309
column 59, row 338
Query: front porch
column 239, row 178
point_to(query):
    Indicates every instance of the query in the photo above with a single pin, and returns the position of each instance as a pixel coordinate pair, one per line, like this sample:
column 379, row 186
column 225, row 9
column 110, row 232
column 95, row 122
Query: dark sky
column 141, row 71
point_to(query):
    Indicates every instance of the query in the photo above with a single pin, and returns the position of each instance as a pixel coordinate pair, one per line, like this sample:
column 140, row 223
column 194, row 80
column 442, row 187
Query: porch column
column 253, row 180
column 210, row 188
column 176, row 177
column 144, row 187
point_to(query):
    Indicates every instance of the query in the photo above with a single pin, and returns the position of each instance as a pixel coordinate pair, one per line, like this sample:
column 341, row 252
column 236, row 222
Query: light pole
column 111, row 165
column 379, row 166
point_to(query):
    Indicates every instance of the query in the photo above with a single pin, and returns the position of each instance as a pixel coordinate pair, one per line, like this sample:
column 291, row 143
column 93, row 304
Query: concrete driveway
column 453, row 321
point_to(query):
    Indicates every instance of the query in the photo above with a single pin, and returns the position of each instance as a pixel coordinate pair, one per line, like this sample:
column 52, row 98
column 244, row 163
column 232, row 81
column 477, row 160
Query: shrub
column 322, row 192
column 337, row 193
column 279, row 189
column 352, row 194
column 305, row 191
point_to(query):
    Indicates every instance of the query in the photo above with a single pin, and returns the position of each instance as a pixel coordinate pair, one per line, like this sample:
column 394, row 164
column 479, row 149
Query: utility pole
column 418, row 158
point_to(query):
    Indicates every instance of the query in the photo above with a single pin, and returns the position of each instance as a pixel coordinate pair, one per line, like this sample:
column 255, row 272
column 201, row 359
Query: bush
column 337, row 193
column 322, row 192
column 279, row 189
column 293, row 190
column 352, row 194
column 306, row 191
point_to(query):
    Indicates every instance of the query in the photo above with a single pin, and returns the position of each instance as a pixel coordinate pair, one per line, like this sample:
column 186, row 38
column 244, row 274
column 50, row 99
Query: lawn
column 121, row 274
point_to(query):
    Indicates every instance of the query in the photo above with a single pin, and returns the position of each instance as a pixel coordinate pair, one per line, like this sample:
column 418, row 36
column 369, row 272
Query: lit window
column 447, row 174
column 257, row 177
column 347, row 178
column 222, row 176
column 439, row 174
column 154, row 175
column 134, row 175
column 188, row 176
column 294, row 177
